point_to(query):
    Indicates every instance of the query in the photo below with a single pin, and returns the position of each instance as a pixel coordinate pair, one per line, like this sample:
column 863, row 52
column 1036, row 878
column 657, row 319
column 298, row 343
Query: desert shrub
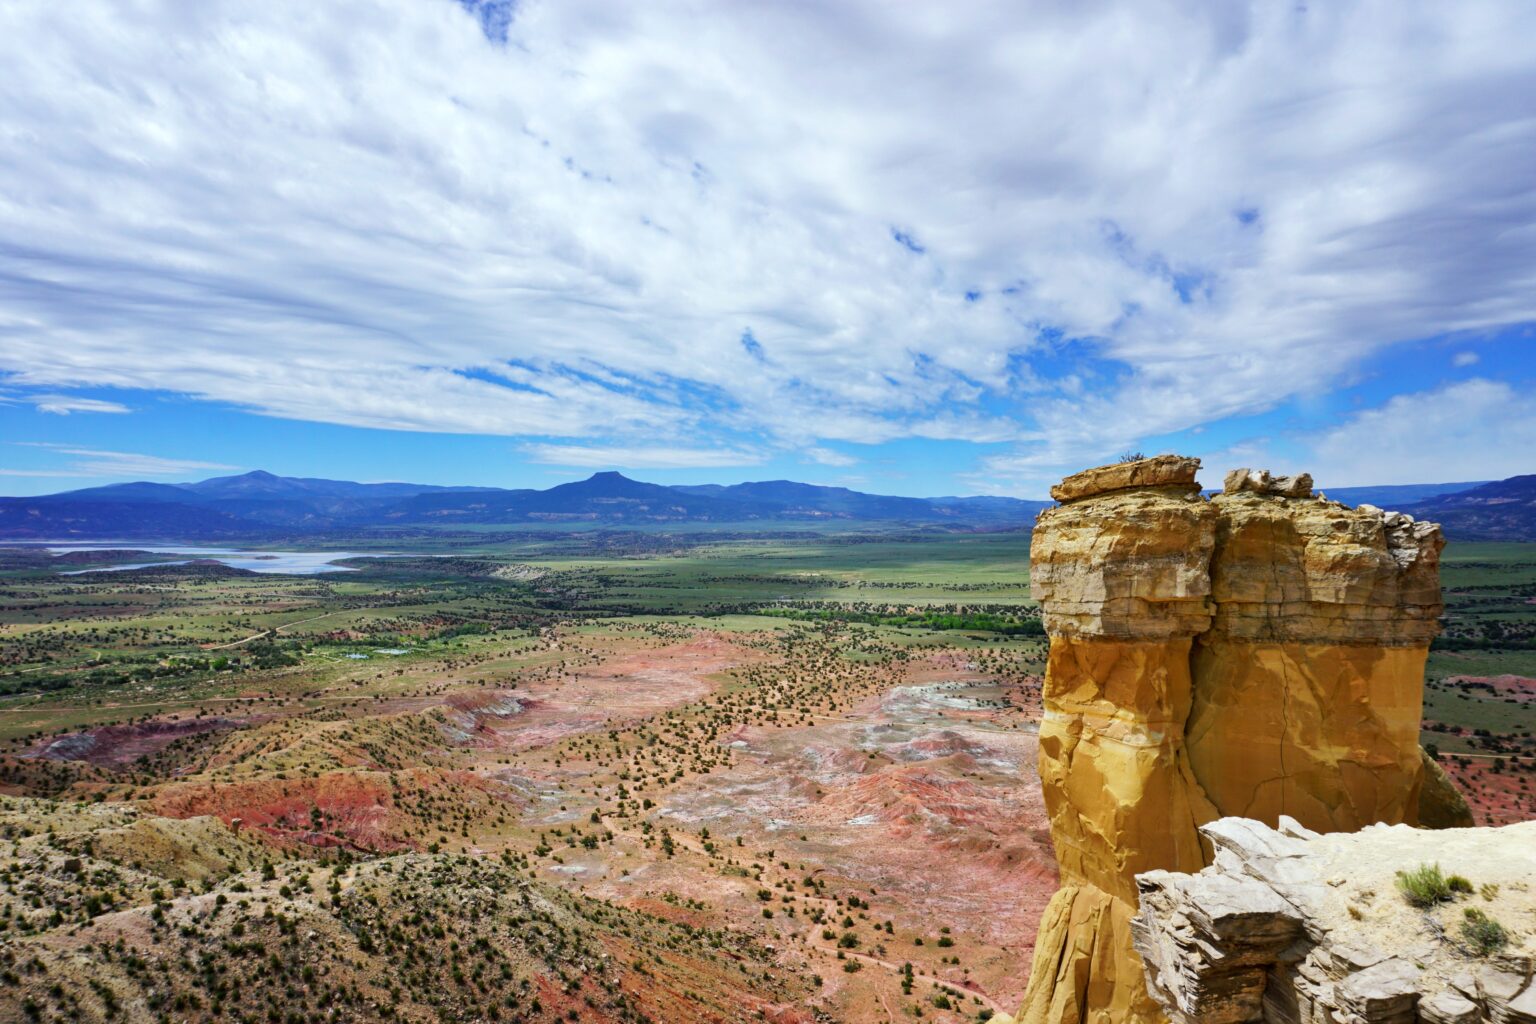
column 1459, row 884
column 1424, row 886
column 1483, row 933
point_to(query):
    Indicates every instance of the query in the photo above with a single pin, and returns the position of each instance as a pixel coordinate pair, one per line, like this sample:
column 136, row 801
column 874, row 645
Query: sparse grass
column 1485, row 935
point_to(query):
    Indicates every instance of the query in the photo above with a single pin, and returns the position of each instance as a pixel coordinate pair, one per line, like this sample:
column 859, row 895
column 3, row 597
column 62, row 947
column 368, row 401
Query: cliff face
column 1311, row 676
column 1293, row 927
column 1258, row 654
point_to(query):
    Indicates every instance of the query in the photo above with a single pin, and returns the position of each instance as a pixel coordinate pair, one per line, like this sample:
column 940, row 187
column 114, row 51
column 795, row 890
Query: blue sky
column 901, row 248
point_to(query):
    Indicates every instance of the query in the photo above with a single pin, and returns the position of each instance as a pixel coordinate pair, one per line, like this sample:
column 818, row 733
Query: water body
column 289, row 563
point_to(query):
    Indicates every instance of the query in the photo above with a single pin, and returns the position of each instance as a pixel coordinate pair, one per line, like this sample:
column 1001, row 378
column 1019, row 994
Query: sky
column 911, row 248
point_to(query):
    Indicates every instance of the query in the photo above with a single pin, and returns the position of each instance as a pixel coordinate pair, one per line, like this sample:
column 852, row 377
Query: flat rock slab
column 1159, row 471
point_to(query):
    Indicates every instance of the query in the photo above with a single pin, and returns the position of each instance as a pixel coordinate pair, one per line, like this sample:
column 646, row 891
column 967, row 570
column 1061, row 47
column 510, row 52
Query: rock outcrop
column 1311, row 677
column 1293, row 927
column 1258, row 654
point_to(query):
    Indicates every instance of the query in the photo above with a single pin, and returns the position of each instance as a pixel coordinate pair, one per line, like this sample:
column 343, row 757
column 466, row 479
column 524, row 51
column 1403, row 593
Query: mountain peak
column 608, row 474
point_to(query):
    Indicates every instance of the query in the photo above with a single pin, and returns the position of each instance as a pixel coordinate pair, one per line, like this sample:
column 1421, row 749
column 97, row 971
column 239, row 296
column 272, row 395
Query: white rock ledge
column 1291, row 927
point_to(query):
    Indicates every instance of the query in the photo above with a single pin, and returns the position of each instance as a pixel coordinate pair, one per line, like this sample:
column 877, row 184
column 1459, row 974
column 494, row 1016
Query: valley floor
column 788, row 783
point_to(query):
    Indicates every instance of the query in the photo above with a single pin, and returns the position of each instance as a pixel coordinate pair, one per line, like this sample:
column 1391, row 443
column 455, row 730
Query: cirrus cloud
column 94, row 462
column 63, row 405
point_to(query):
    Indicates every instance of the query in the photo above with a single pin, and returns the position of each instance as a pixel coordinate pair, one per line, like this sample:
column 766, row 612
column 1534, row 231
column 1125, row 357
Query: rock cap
column 1158, row 471
column 1260, row 481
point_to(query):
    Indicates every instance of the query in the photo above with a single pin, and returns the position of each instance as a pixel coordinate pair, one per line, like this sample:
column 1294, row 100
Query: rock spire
column 1257, row 654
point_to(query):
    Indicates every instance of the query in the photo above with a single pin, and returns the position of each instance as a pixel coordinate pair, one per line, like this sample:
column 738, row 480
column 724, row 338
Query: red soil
column 622, row 689
column 357, row 809
column 1497, row 797
column 122, row 744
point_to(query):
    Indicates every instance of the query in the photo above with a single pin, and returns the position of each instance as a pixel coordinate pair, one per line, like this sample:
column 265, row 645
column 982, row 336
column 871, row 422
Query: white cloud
column 369, row 214
column 1473, row 430
column 41, row 473
column 1464, row 359
column 63, row 405
column 640, row 457
column 93, row 462
column 1476, row 429
column 828, row 457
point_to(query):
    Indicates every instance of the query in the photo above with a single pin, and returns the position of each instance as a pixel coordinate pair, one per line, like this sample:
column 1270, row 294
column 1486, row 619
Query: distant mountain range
column 1396, row 496
column 1501, row 510
column 259, row 504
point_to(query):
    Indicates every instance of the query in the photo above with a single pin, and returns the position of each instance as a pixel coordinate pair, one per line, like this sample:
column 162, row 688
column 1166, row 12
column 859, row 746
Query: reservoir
column 291, row 563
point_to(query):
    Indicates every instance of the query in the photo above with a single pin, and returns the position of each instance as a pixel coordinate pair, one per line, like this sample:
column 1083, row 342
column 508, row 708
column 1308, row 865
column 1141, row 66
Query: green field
column 80, row 650
column 105, row 647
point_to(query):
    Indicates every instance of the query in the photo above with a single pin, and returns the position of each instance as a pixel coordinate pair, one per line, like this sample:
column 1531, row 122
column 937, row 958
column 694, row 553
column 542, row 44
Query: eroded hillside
column 379, row 812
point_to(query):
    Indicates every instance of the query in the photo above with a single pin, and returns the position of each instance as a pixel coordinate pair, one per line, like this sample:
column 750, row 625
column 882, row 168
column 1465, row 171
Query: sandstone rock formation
column 1311, row 676
column 1293, row 927
column 1258, row 654
column 1161, row 471
column 1259, row 481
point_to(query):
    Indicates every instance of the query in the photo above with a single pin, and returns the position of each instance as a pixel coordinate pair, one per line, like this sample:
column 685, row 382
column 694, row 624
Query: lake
column 289, row 563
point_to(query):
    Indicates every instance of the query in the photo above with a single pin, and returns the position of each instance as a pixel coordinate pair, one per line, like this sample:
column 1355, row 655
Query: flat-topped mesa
column 1257, row 654
column 1292, row 567
column 1309, row 683
column 1121, row 573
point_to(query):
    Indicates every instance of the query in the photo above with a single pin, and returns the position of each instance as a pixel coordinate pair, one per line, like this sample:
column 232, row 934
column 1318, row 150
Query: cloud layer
column 663, row 227
column 94, row 462
column 1471, row 429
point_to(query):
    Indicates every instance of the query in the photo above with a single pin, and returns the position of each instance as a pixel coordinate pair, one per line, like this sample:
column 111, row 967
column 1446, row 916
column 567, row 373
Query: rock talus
column 1258, row 654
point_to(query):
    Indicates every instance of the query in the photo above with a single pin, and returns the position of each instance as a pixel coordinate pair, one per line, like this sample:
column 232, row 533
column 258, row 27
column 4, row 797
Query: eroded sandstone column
column 1260, row 654
column 1310, row 682
column 1120, row 569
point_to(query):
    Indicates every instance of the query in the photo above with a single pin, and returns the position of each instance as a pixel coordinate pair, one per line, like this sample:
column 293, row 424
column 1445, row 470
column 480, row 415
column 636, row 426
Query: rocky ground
column 1389, row 924
column 252, row 799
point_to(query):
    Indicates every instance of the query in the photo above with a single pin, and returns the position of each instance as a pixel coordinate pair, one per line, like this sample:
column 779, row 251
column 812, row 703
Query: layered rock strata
column 1257, row 654
column 1121, row 572
column 1293, row 927
column 1311, row 677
